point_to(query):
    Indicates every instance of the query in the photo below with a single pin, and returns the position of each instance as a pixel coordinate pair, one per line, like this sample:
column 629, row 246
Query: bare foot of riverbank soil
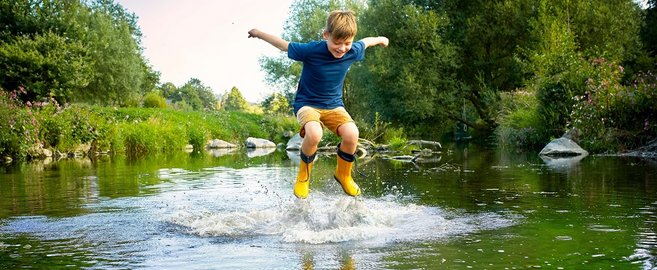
column 647, row 151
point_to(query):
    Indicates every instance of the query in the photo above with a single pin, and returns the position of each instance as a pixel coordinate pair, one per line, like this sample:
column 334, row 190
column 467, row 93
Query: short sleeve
column 297, row 51
column 359, row 49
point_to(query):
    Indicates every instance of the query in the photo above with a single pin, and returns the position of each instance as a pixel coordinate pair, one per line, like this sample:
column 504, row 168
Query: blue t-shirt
column 322, row 76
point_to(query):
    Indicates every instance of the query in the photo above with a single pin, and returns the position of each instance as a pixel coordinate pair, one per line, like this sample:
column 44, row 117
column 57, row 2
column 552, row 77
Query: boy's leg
column 349, row 134
column 346, row 158
column 311, row 131
column 340, row 122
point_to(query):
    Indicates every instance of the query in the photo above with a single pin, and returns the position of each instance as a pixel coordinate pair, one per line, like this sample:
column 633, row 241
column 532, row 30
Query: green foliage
column 193, row 95
column 234, row 101
column 17, row 127
column 614, row 117
column 133, row 131
column 197, row 136
column 393, row 81
column 277, row 104
column 46, row 65
column 154, row 100
column 649, row 29
column 519, row 121
column 73, row 51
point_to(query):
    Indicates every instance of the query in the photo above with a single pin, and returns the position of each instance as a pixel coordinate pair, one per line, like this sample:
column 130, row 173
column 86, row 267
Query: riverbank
column 34, row 130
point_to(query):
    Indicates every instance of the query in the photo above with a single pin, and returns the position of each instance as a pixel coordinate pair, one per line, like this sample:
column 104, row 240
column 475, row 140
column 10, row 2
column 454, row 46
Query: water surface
column 466, row 208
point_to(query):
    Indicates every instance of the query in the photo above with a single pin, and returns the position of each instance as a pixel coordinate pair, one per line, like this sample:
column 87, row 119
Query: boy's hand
column 384, row 41
column 253, row 33
column 277, row 42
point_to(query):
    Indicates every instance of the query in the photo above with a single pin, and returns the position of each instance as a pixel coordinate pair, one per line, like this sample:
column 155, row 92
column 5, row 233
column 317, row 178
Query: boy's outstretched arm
column 277, row 42
column 373, row 41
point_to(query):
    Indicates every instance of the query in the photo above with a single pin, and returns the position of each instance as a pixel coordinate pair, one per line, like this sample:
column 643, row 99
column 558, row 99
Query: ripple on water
column 330, row 219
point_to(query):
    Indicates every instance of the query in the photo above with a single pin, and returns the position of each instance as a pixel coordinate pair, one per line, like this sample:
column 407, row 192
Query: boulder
column 216, row 144
column 562, row 147
column 259, row 143
column 294, row 143
column 188, row 148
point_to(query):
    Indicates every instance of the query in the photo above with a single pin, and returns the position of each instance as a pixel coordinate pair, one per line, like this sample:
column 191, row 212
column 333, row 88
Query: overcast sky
column 207, row 39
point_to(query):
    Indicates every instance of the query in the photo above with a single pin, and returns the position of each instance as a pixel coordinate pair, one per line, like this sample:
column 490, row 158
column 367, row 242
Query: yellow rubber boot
column 302, row 186
column 343, row 173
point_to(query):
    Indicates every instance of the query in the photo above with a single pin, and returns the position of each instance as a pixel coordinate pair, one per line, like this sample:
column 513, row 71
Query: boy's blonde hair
column 341, row 24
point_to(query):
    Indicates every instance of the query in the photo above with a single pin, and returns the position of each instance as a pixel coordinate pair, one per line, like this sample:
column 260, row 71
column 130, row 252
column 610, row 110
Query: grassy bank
column 131, row 131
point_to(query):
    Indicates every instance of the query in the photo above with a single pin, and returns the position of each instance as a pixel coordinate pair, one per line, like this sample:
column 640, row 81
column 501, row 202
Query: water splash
column 331, row 219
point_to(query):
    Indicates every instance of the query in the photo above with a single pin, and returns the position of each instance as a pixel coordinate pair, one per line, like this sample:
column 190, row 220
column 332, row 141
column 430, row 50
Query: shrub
column 154, row 100
column 520, row 124
column 19, row 128
column 614, row 117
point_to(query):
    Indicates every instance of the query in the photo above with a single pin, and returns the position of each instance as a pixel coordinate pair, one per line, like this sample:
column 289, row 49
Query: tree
column 118, row 65
column 45, row 65
column 407, row 83
column 277, row 104
column 649, row 30
column 101, row 31
column 197, row 95
column 168, row 90
column 567, row 37
column 234, row 101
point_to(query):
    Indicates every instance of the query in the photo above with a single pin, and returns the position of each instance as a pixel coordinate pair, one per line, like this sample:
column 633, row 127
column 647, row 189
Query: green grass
column 133, row 131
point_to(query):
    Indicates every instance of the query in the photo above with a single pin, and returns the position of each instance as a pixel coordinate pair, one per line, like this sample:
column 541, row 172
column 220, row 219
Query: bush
column 17, row 129
column 154, row 100
column 614, row 117
column 520, row 124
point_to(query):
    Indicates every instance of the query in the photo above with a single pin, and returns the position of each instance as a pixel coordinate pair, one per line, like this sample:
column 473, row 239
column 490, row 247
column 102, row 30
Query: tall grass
column 132, row 131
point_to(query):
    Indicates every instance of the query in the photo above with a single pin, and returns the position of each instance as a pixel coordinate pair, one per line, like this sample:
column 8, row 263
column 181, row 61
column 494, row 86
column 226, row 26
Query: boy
column 318, row 101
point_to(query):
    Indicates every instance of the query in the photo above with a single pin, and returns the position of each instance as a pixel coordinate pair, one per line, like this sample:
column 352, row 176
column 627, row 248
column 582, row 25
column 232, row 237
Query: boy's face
column 338, row 47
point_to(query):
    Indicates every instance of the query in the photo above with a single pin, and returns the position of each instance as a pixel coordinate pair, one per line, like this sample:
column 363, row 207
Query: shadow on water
column 465, row 208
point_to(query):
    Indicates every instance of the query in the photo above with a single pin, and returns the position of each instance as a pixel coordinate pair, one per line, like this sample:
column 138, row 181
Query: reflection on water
column 466, row 208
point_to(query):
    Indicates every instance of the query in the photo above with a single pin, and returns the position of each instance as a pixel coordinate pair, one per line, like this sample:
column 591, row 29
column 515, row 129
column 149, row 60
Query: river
column 466, row 208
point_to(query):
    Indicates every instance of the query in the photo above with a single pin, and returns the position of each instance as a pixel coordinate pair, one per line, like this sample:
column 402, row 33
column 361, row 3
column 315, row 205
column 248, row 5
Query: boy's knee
column 313, row 132
column 349, row 132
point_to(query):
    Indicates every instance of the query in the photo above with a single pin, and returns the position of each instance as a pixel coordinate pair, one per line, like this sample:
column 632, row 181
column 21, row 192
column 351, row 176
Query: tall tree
column 234, row 101
column 110, row 41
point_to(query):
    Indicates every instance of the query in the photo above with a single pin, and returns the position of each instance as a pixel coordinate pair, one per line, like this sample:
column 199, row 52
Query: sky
column 208, row 40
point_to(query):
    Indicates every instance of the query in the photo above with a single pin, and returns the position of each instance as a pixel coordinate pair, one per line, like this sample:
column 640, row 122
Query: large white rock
column 216, row 144
column 562, row 147
column 259, row 143
column 294, row 143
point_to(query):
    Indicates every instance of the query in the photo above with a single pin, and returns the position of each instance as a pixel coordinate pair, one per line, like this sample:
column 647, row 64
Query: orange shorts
column 331, row 118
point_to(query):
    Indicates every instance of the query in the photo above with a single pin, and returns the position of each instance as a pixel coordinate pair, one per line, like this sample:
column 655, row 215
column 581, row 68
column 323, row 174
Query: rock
column 188, row 148
column 216, row 144
column 259, row 143
column 81, row 150
column 289, row 133
column 562, row 147
column 294, row 143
